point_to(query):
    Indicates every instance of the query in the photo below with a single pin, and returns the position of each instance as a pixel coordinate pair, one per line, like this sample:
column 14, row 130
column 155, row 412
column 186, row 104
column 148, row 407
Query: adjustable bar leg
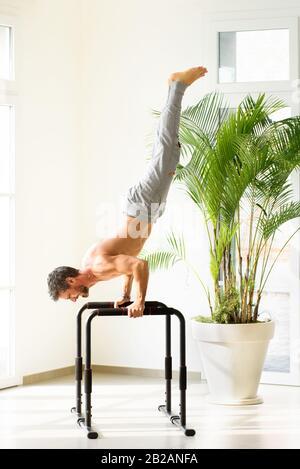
column 78, row 359
column 168, row 368
column 181, row 420
column 168, row 363
column 178, row 420
column 78, row 364
column 88, row 396
column 88, row 381
column 78, row 375
column 182, row 388
column 86, row 422
column 182, row 375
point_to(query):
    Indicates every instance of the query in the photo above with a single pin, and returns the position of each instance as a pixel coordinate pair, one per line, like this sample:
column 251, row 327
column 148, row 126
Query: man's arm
column 127, row 285
column 138, row 269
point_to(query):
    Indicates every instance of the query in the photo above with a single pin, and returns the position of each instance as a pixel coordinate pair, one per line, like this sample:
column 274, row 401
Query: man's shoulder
column 88, row 257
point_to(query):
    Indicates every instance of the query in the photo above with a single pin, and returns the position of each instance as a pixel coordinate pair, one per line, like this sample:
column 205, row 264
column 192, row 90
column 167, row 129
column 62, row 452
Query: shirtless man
column 144, row 204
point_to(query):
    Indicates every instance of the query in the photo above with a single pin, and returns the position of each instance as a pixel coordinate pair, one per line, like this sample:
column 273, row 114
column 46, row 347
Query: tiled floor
column 125, row 412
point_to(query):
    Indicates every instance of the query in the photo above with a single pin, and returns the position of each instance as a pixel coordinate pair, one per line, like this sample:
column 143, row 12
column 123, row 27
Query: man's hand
column 136, row 309
column 121, row 301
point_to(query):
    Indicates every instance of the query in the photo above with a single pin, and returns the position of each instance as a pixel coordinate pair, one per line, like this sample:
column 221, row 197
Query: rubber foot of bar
column 92, row 435
column 189, row 432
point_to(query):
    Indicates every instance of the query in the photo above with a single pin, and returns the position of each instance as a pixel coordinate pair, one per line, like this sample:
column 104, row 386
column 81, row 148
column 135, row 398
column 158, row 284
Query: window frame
column 10, row 87
column 9, row 97
column 212, row 53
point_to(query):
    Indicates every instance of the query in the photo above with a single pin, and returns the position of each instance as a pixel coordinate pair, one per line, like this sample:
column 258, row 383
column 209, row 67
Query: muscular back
column 129, row 240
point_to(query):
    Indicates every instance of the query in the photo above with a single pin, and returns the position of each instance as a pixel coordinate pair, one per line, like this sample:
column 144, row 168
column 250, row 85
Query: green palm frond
column 273, row 191
column 217, row 177
column 286, row 213
column 253, row 114
column 165, row 259
column 284, row 140
column 205, row 116
column 251, row 164
column 192, row 186
column 160, row 260
column 177, row 244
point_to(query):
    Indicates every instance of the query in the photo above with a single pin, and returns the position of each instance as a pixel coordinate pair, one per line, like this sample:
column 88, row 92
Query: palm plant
column 239, row 162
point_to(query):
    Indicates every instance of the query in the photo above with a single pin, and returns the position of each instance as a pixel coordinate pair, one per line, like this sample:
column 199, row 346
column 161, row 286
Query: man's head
column 67, row 283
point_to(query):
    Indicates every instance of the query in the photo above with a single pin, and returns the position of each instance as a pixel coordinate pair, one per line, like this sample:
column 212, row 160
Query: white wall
column 48, row 197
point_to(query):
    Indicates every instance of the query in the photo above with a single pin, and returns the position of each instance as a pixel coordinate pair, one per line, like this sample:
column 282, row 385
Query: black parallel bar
column 105, row 309
column 182, row 378
column 151, row 308
column 182, row 367
column 78, row 358
column 122, row 311
column 168, row 367
column 180, row 421
column 88, row 376
column 99, row 304
column 78, row 368
column 88, row 381
column 168, row 363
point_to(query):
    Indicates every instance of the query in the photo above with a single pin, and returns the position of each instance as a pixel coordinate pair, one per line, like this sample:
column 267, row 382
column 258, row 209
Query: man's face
column 74, row 292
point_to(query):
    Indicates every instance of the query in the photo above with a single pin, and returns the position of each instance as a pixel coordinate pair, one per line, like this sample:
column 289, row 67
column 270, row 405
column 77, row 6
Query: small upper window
column 5, row 53
column 247, row 56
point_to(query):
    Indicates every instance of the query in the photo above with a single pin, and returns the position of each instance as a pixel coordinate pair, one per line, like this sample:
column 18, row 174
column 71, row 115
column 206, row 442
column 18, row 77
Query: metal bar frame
column 154, row 308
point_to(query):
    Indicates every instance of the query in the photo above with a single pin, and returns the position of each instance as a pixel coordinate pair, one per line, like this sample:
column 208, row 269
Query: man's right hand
column 121, row 301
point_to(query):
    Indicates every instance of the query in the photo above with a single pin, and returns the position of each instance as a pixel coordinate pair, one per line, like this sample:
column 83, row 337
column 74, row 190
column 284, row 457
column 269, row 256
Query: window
column 253, row 55
column 5, row 53
column 7, row 144
column 250, row 56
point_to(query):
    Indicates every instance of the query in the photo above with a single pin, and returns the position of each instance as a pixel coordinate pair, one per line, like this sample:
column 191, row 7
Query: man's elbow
column 141, row 266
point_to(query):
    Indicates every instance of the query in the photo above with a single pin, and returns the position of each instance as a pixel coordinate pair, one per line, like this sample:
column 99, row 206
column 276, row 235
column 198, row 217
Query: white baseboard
column 147, row 372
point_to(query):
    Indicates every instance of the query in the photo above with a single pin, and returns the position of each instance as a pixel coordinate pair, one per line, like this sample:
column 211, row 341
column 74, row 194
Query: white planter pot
column 233, row 356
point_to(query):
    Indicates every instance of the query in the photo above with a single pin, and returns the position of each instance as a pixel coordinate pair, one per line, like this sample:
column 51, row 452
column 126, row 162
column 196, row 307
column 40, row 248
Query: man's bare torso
column 128, row 240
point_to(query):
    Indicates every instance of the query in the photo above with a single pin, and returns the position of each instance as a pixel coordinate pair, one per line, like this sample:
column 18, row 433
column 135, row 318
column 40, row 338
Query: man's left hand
column 136, row 309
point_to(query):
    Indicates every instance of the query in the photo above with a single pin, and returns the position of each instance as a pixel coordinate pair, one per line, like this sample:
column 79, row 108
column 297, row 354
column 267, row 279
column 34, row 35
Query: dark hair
column 57, row 280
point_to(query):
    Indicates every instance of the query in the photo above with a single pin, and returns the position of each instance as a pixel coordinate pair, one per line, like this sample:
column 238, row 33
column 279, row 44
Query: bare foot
column 188, row 76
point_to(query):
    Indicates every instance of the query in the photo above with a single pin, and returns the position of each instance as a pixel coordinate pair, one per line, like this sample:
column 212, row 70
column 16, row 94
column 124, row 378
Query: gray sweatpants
column 146, row 200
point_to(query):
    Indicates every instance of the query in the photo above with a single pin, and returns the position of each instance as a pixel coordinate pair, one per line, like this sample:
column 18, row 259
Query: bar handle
column 123, row 311
column 99, row 304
